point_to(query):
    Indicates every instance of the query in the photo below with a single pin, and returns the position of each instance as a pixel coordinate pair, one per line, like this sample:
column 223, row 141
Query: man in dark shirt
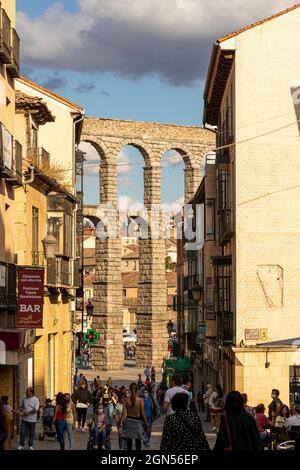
column 275, row 405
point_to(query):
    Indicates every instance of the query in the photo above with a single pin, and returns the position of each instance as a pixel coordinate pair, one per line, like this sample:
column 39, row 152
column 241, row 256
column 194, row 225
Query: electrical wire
column 213, row 149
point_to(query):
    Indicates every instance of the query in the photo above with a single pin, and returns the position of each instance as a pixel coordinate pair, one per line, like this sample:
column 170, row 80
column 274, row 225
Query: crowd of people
column 133, row 410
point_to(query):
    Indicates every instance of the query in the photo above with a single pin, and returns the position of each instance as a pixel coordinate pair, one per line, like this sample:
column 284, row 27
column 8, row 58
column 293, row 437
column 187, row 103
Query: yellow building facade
column 249, row 96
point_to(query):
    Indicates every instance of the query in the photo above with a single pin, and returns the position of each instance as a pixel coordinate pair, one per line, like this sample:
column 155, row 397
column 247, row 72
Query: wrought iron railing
column 14, row 67
column 5, row 37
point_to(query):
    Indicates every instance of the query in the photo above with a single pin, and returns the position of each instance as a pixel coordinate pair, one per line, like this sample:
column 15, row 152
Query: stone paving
column 125, row 377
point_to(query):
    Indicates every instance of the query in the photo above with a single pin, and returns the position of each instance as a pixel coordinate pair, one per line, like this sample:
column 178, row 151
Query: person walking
column 82, row 399
column 206, row 397
column 147, row 373
column 70, row 419
column 275, row 405
column 5, row 439
column 29, row 409
column 59, row 419
column 182, row 429
column 78, row 380
column 200, row 399
column 139, row 382
column 238, row 430
column 132, row 419
column 149, row 412
column 99, row 428
column 153, row 375
column 117, row 416
column 176, row 388
column 216, row 407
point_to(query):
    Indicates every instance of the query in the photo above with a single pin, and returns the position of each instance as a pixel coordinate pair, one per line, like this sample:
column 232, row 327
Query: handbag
column 81, row 405
column 228, row 432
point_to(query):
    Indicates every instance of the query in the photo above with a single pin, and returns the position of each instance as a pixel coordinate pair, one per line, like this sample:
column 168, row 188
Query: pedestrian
column 147, row 382
column 117, row 416
column 153, row 375
column 132, row 419
column 207, row 395
column 109, row 382
column 5, row 439
column 29, row 409
column 75, row 379
column 70, row 419
column 248, row 408
column 149, row 412
column 182, row 429
column 99, row 428
column 216, row 407
column 238, row 430
column 82, row 399
column 139, row 382
column 262, row 423
column 60, row 419
column 160, row 396
column 10, row 413
column 147, row 372
column 200, row 399
column 275, row 405
column 175, row 388
column 78, row 380
column 108, row 400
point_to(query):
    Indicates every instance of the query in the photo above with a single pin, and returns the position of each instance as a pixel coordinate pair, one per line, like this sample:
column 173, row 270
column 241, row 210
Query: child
column 100, row 428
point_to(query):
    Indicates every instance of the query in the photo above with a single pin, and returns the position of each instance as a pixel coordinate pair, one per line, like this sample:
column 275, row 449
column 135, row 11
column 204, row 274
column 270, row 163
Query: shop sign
column 30, row 298
column 201, row 336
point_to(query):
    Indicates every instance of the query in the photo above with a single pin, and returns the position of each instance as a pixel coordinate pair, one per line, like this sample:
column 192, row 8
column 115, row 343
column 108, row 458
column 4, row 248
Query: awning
column 291, row 342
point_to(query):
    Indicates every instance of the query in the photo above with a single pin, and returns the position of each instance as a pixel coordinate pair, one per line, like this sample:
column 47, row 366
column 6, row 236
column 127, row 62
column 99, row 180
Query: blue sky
column 143, row 60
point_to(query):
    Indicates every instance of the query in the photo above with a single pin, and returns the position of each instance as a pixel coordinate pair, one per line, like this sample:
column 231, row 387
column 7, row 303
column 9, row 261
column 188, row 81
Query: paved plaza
column 124, row 377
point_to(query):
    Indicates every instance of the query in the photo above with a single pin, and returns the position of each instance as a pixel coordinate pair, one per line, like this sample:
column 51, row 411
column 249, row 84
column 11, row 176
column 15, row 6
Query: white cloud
column 134, row 38
column 123, row 162
column 172, row 158
column 92, row 159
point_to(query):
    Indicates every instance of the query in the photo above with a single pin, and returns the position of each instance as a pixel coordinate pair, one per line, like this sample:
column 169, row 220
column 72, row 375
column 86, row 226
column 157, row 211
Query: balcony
column 225, row 328
column 77, row 273
column 5, row 38
column 59, row 272
column 39, row 157
column 38, row 259
column 14, row 67
column 15, row 175
column 226, row 226
column 8, row 285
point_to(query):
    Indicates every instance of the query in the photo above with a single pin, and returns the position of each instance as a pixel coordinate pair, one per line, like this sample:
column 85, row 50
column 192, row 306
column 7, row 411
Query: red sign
column 30, row 298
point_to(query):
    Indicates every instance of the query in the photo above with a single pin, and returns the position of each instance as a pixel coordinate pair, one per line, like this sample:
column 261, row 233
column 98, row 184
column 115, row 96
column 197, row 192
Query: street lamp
column 49, row 244
column 89, row 308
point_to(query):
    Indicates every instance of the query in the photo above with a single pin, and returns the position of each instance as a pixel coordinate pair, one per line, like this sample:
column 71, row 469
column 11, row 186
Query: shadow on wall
column 295, row 92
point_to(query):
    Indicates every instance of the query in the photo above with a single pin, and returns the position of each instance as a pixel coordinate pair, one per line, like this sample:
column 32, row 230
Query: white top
column 29, row 404
column 170, row 394
column 292, row 421
column 212, row 399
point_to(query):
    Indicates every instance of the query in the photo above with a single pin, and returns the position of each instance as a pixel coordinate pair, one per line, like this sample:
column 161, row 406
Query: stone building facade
column 152, row 140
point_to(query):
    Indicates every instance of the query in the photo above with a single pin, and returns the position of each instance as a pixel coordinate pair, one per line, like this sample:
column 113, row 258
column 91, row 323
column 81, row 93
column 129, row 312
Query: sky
column 142, row 60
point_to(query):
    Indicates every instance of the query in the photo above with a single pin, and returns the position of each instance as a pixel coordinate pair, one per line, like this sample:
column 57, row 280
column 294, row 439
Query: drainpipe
column 31, row 178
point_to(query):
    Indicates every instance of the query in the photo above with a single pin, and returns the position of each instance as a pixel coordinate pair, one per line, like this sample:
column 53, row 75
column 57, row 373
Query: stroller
column 47, row 421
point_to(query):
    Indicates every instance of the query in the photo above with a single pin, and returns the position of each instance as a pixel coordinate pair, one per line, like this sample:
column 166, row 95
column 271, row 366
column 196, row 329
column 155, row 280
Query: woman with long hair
column 238, row 429
column 132, row 419
column 216, row 406
column 70, row 419
column 60, row 419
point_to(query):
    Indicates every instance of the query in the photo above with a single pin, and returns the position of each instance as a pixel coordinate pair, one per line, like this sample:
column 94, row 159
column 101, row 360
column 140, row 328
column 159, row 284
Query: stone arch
column 140, row 145
column 97, row 144
column 187, row 155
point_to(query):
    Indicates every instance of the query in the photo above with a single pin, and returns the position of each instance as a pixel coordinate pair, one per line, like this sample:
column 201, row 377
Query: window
column 210, row 219
column 222, row 285
column 223, row 188
column 134, row 266
column 60, row 223
column 33, row 137
column 126, row 264
column 124, row 292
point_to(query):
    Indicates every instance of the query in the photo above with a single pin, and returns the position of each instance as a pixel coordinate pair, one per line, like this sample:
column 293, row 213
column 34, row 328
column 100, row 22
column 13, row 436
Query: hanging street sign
column 91, row 337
